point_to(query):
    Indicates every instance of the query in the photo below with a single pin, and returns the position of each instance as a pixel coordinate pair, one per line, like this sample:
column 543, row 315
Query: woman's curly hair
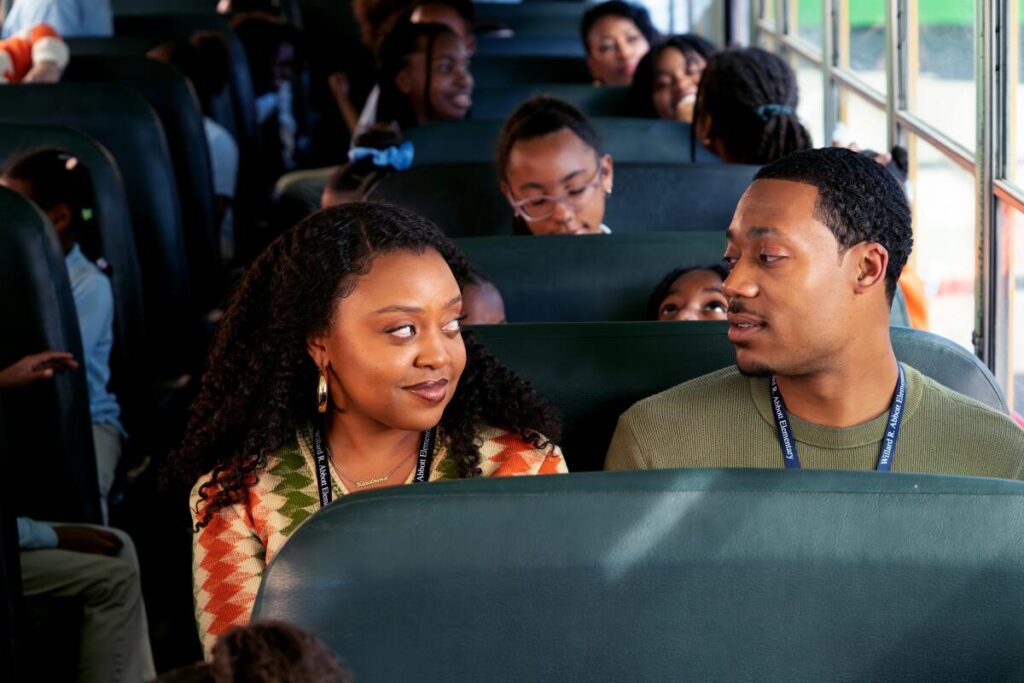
column 259, row 386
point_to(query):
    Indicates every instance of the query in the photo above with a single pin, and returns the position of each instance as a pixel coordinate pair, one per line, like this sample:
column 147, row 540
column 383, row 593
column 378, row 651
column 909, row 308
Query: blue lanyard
column 322, row 458
column 892, row 426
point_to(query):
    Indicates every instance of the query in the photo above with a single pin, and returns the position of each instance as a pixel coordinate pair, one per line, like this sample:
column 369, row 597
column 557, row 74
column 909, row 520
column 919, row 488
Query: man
column 816, row 247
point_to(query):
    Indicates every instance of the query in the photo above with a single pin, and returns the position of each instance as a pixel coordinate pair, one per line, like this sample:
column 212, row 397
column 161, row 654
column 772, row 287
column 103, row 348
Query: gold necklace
column 370, row 482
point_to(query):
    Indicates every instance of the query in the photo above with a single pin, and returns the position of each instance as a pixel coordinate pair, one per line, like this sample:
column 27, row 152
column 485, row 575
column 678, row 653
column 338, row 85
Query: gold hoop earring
column 321, row 393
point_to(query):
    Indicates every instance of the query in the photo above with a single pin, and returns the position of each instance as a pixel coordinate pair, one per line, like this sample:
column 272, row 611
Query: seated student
column 94, row 565
column 377, row 152
column 666, row 80
column 62, row 188
column 616, row 35
column 481, row 301
column 424, row 76
column 376, row 19
column 36, row 55
column 265, row 652
column 746, row 107
column 816, row 247
column 341, row 366
column 206, row 62
column 552, row 169
column 690, row 294
column 70, row 18
column 272, row 48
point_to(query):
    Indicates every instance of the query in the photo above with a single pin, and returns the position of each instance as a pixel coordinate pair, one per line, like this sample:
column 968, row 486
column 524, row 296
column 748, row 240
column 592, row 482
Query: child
column 690, row 294
column 424, row 76
column 62, row 188
column 376, row 153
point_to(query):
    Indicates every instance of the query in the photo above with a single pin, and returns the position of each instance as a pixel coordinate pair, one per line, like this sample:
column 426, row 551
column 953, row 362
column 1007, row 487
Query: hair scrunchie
column 766, row 111
column 398, row 158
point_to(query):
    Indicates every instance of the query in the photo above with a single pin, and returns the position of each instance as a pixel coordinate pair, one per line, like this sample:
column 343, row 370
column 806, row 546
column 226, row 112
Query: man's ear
column 872, row 261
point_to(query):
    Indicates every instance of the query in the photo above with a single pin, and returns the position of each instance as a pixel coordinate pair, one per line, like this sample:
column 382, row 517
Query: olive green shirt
column 724, row 419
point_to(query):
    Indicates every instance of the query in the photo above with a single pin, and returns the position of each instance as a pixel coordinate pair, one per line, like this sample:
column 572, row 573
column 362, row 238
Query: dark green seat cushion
column 568, row 278
column 465, row 200
column 673, row 575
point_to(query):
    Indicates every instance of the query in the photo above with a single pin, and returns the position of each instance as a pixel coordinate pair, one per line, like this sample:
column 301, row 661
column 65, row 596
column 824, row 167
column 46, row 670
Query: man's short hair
column 858, row 200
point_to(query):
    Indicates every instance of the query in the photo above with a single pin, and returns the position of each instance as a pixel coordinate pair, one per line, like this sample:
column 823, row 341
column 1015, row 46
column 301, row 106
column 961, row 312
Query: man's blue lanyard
column 892, row 426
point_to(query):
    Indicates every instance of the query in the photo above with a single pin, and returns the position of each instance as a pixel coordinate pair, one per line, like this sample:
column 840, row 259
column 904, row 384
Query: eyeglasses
column 542, row 206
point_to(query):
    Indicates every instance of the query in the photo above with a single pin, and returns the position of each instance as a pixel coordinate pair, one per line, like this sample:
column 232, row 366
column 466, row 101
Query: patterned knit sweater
column 231, row 551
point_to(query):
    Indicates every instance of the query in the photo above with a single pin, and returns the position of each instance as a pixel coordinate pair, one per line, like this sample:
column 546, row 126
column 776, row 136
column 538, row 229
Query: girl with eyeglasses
column 552, row 169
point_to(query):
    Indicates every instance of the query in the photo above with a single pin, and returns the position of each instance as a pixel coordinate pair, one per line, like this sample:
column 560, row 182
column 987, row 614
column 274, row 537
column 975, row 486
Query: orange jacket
column 37, row 44
column 913, row 291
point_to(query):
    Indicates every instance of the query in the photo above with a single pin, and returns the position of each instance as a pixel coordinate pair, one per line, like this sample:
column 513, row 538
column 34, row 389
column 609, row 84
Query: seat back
column 708, row 575
column 625, row 139
column 173, row 26
column 593, row 372
column 50, row 433
column 111, row 214
column 567, row 278
column 127, row 126
column 552, row 279
column 173, row 99
column 497, row 102
column 497, row 70
column 533, row 18
column 648, row 197
column 530, row 45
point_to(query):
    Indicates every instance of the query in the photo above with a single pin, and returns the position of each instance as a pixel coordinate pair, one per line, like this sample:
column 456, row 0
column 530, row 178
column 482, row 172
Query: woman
column 341, row 366
column 424, row 76
column 552, row 170
column 746, row 108
column 690, row 294
column 666, row 81
column 616, row 35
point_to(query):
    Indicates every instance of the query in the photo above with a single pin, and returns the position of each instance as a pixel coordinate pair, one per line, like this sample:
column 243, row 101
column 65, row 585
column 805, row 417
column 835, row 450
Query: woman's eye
column 454, row 325
column 576, row 191
column 539, row 201
column 730, row 261
column 669, row 309
column 770, row 258
column 606, row 47
column 632, row 39
column 662, row 83
column 403, row 332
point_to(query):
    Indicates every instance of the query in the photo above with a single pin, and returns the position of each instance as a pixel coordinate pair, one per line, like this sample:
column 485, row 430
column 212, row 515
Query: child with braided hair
column 746, row 108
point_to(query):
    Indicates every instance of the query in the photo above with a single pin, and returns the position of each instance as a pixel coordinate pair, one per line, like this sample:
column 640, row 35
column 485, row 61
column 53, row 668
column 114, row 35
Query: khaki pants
column 106, row 441
column 115, row 637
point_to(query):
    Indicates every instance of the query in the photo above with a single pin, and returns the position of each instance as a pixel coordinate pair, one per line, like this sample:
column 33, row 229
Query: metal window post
column 992, row 291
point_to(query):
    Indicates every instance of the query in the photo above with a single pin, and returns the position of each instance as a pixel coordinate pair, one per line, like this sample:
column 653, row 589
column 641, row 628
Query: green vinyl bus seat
column 172, row 97
column 530, row 45
column 497, row 102
column 671, row 575
column 568, row 278
column 593, row 372
column 122, row 121
column 48, row 425
column 625, row 139
column 465, row 199
column 496, row 70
